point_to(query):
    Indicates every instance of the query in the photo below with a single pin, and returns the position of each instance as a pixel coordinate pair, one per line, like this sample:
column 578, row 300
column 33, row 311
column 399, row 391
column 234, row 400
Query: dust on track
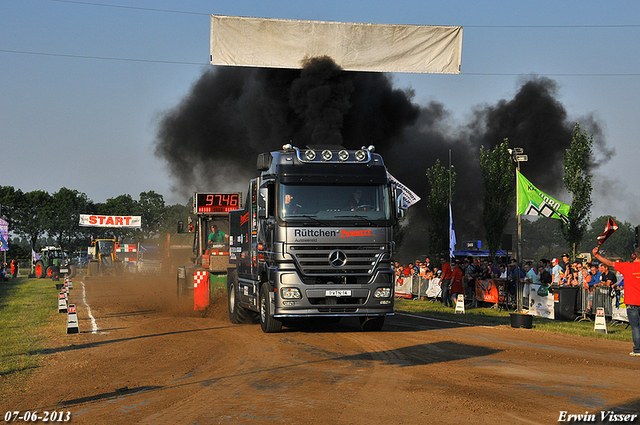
column 156, row 360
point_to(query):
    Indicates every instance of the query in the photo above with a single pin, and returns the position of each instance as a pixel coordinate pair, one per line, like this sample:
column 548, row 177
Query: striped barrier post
column 72, row 320
column 62, row 303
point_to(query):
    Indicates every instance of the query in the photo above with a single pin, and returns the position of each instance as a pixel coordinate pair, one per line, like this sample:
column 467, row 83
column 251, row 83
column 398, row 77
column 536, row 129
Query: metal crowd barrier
column 600, row 297
column 419, row 286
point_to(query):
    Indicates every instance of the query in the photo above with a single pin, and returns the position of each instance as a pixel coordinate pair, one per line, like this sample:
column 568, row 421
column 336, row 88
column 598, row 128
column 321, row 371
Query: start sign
column 95, row 220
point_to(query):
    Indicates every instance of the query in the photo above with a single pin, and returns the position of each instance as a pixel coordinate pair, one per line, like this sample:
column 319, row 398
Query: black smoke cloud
column 211, row 139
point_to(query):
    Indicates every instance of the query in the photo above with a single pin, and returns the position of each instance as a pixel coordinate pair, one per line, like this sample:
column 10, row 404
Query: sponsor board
column 324, row 235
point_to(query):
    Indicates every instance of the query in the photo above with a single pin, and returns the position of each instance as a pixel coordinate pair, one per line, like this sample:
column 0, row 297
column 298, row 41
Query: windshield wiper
column 311, row 217
column 368, row 219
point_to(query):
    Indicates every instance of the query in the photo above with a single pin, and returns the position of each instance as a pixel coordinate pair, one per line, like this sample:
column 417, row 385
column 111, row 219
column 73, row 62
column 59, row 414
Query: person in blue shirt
column 594, row 275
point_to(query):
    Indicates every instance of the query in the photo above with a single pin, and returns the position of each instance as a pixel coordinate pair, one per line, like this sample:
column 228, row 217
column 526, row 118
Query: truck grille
column 360, row 260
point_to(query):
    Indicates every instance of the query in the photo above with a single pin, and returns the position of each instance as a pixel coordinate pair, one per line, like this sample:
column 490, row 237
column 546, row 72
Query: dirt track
column 154, row 361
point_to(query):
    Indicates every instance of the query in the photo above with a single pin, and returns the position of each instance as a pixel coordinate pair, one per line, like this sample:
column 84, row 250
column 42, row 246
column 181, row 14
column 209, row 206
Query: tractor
column 103, row 259
column 52, row 262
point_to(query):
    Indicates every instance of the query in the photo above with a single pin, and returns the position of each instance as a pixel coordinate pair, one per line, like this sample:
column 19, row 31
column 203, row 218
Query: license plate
column 64, row 270
column 337, row 293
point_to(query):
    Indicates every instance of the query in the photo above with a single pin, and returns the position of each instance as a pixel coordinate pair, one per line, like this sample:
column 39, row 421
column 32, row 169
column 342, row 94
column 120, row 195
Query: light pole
column 518, row 156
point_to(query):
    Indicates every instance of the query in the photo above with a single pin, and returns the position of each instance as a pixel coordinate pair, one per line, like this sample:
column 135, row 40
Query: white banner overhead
column 96, row 220
column 284, row 43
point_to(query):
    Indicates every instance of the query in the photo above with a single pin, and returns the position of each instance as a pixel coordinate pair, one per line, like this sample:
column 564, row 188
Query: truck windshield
column 351, row 203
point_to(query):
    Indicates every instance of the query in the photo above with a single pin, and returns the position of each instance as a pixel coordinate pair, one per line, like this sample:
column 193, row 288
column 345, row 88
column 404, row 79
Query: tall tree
column 499, row 183
column 577, row 181
column 67, row 206
column 438, row 205
column 9, row 204
column 152, row 210
column 34, row 215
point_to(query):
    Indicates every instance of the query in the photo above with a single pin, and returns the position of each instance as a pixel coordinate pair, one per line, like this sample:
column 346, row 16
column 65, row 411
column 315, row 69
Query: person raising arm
column 631, row 272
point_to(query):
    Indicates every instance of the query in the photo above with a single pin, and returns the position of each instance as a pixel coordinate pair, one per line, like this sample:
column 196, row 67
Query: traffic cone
column 600, row 325
column 460, row 304
column 72, row 320
column 62, row 303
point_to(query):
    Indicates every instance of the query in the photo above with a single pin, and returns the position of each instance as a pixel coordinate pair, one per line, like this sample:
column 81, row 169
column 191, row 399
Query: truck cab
column 314, row 239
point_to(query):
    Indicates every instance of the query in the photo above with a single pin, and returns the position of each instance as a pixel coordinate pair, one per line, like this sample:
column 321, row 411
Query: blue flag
column 452, row 234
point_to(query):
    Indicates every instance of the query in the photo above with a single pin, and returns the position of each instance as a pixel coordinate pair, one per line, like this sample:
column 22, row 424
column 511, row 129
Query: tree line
column 542, row 238
column 37, row 215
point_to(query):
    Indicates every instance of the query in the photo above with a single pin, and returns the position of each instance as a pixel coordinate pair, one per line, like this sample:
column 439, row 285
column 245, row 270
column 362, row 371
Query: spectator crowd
column 458, row 275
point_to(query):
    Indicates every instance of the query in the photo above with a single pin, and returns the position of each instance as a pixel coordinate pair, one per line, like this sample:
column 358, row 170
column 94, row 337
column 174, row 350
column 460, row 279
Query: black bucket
column 521, row 320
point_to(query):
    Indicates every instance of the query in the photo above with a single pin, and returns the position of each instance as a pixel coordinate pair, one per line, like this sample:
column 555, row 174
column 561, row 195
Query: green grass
column 494, row 317
column 27, row 308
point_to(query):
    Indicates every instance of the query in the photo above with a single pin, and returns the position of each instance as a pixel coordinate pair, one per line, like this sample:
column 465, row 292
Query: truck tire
column 237, row 314
column 268, row 323
column 41, row 271
column 372, row 324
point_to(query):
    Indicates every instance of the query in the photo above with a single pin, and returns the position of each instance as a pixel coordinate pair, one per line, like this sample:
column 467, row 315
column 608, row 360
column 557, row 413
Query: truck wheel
column 267, row 322
column 372, row 324
column 237, row 313
column 41, row 271
column 72, row 270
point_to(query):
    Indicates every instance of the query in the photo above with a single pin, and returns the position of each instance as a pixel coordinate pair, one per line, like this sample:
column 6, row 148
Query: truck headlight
column 361, row 155
column 291, row 293
column 382, row 293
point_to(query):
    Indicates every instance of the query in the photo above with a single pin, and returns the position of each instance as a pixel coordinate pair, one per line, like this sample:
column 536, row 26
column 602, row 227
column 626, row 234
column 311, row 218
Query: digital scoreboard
column 216, row 203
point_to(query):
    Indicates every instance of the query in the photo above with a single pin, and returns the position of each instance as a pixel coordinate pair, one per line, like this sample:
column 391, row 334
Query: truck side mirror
column 400, row 210
column 263, row 202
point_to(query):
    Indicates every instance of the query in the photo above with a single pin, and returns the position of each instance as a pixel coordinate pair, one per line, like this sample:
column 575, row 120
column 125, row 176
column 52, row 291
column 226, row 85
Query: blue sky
column 83, row 84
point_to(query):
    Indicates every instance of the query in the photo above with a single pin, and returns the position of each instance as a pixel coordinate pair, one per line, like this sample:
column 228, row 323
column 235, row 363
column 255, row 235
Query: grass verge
column 27, row 308
column 494, row 317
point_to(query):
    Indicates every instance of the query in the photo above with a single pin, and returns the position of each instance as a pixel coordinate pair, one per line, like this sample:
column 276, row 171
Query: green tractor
column 53, row 261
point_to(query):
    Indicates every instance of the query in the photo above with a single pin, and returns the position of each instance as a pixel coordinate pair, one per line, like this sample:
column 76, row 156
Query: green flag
column 532, row 201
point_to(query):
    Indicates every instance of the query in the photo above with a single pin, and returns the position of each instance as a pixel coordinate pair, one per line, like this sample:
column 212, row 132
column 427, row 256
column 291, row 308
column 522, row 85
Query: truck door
column 266, row 223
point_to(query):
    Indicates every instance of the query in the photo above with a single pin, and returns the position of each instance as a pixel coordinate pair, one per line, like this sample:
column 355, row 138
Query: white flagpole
column 450, row 213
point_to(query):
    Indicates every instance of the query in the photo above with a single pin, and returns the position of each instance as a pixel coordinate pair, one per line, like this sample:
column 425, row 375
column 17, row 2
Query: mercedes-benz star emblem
column 337, row 258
